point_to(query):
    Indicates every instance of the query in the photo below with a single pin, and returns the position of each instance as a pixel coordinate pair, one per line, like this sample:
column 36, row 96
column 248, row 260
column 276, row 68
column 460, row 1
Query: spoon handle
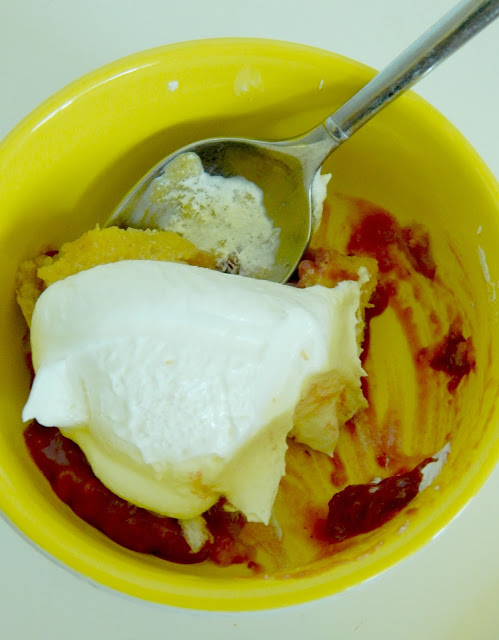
column 458, row 26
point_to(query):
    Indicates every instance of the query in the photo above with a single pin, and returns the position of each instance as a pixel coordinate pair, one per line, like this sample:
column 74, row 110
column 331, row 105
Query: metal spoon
column 284, row 169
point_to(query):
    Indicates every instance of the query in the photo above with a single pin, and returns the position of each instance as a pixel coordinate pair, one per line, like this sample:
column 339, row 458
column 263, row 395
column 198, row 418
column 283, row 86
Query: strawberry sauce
column 361, row 508
column 66, row 468
column 454, row 356
column 380, row 236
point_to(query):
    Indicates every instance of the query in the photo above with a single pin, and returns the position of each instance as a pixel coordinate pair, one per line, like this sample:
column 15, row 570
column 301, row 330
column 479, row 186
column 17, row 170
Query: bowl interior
column 66, row 166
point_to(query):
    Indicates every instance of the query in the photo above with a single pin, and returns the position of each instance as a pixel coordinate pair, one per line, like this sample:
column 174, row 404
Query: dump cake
column 330, row 404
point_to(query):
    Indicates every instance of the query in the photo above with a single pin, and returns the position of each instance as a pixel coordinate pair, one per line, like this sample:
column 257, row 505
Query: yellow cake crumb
column 331, row 398
column 102, row 246
column 29, row 286
column 328, row 267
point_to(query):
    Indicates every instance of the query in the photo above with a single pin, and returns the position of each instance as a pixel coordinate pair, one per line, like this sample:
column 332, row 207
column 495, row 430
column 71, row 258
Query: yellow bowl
column 66, row 166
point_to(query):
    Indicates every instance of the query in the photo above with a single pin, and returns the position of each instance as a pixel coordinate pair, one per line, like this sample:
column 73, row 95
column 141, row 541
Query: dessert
column 315, row 496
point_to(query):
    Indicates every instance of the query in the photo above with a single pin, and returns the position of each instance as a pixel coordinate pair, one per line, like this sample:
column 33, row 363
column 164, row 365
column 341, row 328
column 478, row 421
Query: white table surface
column 446, row 591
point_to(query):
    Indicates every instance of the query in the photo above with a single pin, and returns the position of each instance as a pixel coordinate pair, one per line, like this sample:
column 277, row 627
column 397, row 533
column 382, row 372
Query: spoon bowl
column 284, row 171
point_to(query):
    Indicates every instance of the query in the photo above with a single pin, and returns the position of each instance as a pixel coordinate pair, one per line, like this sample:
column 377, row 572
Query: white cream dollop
column 180, row 383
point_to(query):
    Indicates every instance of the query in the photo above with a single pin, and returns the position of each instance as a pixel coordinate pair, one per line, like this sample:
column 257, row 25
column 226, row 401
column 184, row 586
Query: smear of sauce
column 454, row 356
column 361, row 508
column 380, row 236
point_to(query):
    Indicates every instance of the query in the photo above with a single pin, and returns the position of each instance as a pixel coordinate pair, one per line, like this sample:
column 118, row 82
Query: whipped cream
column 180, row 383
